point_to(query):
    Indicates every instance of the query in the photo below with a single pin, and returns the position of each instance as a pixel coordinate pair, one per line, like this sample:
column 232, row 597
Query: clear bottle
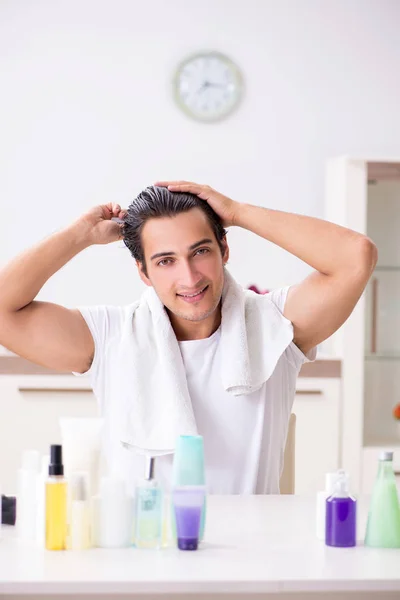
column 148, row 510
column 56, row 502
column 341, row 515
column 383, row 525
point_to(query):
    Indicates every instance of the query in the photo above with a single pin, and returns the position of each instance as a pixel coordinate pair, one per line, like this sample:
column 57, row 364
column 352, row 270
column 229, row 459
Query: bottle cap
column 79, row 482
column 385, row 455
column 56, row 467
column 31, row 460
column 188, row 544
column 342, row 484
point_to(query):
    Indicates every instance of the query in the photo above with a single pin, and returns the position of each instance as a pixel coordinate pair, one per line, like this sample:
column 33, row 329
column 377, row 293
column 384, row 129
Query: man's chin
column 194, row 315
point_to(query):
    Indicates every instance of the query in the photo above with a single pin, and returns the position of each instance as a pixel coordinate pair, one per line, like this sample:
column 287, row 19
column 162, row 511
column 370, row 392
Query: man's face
column 184, row 264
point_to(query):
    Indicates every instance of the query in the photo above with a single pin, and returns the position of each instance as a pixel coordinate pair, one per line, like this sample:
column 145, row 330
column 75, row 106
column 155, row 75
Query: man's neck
column 195, row 330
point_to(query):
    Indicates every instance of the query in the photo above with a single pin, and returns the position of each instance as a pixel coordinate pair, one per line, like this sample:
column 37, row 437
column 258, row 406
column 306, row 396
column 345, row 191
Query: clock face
column 208, row 86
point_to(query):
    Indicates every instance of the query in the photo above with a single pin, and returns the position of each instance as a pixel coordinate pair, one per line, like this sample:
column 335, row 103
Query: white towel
column 156, row 404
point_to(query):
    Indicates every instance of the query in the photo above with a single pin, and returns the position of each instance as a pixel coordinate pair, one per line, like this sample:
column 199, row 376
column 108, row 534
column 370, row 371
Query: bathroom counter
column 250, row 548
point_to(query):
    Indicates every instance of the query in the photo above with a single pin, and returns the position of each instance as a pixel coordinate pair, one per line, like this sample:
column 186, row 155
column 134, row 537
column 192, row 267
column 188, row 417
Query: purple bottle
column 341, row 515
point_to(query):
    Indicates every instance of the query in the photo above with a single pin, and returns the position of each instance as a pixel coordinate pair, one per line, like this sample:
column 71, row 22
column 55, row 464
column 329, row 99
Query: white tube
column 81, row 442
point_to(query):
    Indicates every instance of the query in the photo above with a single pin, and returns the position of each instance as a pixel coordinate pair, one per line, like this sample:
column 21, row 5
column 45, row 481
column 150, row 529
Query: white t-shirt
column 244, row 436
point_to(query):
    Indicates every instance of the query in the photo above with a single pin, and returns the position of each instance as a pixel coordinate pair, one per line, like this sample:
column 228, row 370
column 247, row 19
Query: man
column 175, row 231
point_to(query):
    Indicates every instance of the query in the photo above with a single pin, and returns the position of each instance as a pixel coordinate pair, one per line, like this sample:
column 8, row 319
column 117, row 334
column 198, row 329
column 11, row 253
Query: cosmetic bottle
column 189, row 470
column 148, row 510
column 341, row 515
column 56, row 502
column 112, row 515
column 41, row 501
column 330, row 479
column 383, row 525
column 27, row 495
column 79, row 518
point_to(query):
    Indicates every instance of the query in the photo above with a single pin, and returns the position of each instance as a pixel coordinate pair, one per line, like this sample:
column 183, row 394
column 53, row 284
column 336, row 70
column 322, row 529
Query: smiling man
column 240, row 394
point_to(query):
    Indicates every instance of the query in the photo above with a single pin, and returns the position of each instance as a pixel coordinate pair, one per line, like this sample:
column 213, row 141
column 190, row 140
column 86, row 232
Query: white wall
column 87, row 116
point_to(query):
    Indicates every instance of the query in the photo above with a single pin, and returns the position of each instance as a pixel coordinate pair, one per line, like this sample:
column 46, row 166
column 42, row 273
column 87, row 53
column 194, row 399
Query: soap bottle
column 383, row 525
column 330, row 480
column 56, row 502
column 341, row 515
column 148, row 510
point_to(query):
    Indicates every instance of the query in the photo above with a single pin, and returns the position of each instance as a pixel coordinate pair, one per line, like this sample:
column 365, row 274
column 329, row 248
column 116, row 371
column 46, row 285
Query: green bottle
column 383, row 526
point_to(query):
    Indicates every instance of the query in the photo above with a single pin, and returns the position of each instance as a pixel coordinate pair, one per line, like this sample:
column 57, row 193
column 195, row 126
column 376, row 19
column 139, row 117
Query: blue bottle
column 341, row 515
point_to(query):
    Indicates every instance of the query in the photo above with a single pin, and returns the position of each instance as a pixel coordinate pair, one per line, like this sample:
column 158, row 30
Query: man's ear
column 142, row 274
column 225, row 247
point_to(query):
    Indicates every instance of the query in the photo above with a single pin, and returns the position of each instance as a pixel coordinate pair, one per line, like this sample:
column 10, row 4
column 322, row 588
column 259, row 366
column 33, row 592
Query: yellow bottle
column 56, row 502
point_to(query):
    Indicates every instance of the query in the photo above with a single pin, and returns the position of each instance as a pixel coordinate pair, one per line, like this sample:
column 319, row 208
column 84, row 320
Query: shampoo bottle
column 383, row 525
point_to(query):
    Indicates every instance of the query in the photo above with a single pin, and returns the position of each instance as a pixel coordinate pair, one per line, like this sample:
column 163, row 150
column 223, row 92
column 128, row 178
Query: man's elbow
column 365, row 257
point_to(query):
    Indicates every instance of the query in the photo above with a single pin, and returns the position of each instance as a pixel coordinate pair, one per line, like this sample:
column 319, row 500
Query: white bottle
column 114, row 518
column 330, row 480
column 41, row 501
column 79, row 518
column 27, row 495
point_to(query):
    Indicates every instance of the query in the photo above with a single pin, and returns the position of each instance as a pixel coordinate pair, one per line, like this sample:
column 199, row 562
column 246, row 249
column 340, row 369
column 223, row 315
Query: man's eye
column 202, row 251
column 164, row 262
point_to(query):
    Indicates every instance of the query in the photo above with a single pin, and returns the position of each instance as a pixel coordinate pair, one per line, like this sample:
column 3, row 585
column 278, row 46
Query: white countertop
column 253, row 544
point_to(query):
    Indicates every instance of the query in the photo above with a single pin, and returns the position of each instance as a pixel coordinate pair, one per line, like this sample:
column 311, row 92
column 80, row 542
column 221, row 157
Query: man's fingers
column 168, row 183
column 186, row 187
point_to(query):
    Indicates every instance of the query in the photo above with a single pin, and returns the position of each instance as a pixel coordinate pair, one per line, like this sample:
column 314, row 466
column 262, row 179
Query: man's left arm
column 343, row 260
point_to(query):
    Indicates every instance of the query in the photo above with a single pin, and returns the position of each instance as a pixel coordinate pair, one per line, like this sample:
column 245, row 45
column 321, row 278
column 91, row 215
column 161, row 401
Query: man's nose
column 190, row 277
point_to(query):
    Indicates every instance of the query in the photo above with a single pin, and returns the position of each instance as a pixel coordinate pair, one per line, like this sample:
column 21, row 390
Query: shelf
column 377, row 356
column 390, row 444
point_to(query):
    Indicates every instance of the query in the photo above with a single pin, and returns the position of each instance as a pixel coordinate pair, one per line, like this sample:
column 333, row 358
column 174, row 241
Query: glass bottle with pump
column 148, row 510
column 56, row 502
